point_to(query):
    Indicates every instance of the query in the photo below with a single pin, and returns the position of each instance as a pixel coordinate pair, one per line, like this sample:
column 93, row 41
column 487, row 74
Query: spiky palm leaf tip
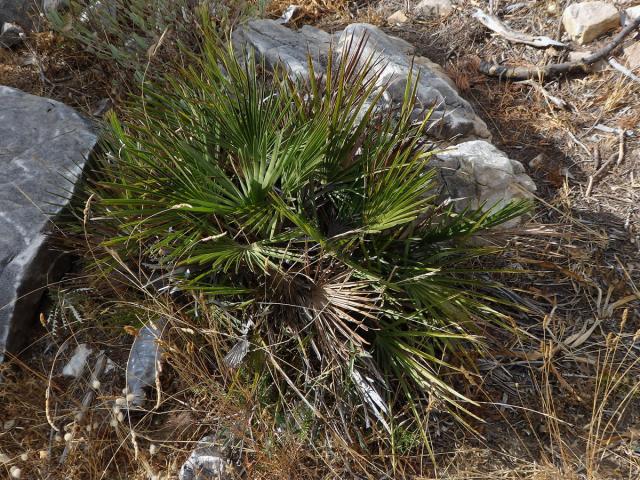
column 306, row 217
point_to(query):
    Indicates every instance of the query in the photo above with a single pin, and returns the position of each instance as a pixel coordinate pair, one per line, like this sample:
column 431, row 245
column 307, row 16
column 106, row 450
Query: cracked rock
column 44, row 146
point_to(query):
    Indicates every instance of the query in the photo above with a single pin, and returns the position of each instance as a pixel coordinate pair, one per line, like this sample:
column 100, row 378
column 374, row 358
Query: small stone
column 68, row 437
column 24, row 457
column 398, row 17
column 434, row 8
column 632, row 53
column 4, row 458
column 15, row 472
column 586, row 21
column 8, row 425
column 95, row 384
column 153, row 449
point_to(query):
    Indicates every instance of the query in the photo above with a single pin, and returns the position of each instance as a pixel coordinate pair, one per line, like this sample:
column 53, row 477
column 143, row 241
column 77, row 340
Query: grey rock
column 476, row 173
column 17, row 11
column 11, row 35
column 279, row 45
column 44, row 146
column 144, row 359
column 452, row 115
column 78, row 361
column 206, row 462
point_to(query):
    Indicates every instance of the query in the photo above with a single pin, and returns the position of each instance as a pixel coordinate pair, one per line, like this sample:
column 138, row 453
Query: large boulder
column 276, row 44
column 44, row 146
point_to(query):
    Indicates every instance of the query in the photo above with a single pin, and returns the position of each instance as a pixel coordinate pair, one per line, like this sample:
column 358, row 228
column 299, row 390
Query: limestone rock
column 276, row 44
column 632, row 52
column 586, row 21
column 476, row 173
column 44, row 146
column 433, row 8
column 397, row 18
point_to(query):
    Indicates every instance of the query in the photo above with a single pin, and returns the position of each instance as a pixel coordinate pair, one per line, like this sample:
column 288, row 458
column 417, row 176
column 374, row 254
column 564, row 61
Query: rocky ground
column 560, row 401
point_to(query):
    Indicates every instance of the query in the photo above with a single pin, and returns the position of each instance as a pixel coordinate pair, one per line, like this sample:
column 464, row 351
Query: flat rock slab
column 44, row 146
column 276, row 44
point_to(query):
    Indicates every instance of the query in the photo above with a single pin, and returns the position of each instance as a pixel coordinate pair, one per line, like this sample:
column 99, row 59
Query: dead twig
column 599, row 173
column 553, row 70
column 620, row 147
column 623, row 70
column 558, row 102
column 494, row 24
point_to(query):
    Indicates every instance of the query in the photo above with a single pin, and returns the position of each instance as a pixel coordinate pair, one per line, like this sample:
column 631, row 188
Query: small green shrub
column 142, row 37
column 303, row 215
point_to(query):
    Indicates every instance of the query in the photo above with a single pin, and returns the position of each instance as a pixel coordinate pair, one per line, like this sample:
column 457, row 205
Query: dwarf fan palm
column 309, row 210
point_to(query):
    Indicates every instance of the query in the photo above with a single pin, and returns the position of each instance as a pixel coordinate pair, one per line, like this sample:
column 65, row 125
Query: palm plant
column 308, row 219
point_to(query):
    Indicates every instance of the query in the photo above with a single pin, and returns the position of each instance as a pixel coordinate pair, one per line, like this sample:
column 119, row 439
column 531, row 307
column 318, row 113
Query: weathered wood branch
column 494, row 24
column 556, row 69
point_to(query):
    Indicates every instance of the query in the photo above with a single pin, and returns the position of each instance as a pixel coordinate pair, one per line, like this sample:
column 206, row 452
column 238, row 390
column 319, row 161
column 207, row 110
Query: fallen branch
column 494, row 24
column 556, row 69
